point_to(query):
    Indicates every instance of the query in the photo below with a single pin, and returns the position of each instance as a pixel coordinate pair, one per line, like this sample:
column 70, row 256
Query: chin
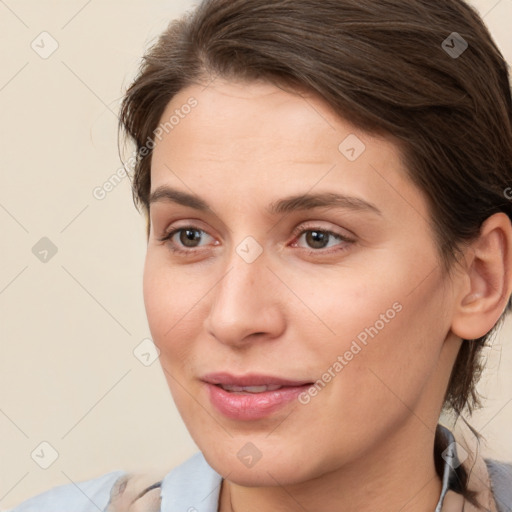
column 277, row 467
column 263, row 474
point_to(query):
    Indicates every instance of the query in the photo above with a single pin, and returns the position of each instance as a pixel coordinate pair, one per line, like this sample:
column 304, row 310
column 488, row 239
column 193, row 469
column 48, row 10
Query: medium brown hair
column 383, row 66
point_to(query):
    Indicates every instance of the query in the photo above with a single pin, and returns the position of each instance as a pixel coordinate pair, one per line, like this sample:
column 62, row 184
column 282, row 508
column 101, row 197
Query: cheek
column 172, row 299
column 350, row 306
column 172, row 302
column 379, row 333
column 389, row 356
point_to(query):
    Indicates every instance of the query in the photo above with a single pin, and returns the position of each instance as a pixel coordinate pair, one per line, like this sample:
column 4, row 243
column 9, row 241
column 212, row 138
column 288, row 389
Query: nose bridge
column 247, row 268
column 244, row 300
column 241, row 290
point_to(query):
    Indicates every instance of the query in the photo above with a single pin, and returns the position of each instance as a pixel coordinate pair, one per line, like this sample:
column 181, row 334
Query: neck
column 381, row 480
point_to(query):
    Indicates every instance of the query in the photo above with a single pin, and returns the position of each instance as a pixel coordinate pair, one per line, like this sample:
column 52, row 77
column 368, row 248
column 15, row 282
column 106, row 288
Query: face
column 292, row 285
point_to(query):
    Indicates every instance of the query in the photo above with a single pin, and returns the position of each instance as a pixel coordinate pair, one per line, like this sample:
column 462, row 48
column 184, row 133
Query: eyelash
column 297, row 233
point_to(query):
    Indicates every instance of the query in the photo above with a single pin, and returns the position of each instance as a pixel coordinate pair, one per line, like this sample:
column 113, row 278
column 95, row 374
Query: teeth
column 250, row 389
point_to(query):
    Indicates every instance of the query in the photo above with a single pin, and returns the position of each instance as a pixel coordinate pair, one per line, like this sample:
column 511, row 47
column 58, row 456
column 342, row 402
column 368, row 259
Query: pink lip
column 248, row 406
column 251, row 379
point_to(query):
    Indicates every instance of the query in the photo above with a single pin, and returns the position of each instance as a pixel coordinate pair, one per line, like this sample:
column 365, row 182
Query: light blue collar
column 191, row 487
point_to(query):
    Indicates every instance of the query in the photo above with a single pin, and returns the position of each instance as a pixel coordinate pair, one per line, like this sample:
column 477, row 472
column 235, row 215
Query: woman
column 329, row 248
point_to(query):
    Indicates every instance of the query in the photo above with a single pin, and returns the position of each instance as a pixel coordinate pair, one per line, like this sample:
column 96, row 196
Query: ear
column 486, row 283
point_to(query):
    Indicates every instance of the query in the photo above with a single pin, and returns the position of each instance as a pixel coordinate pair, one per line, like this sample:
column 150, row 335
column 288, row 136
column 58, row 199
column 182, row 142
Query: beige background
column 68, row 327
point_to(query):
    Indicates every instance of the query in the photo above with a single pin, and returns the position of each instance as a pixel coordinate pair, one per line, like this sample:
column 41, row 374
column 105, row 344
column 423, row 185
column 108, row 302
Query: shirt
column 194, row 486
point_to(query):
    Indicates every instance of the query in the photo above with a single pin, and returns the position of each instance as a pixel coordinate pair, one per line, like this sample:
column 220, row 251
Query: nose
column 246, row 304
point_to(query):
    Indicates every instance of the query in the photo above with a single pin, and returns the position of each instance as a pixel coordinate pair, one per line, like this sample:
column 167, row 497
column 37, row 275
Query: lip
column 251, row 379
column 251, row 406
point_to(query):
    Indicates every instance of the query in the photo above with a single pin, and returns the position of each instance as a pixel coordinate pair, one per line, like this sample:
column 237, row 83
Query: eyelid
column 314, row 226
column 170, row 233
column 300, row 229
column 185, row 223
column 344, row 241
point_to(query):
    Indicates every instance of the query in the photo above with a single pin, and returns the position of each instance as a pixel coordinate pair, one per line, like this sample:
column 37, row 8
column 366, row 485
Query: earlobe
column 486, row 283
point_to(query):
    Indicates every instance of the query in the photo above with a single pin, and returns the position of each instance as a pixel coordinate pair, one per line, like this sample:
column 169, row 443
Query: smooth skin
column 365, row 441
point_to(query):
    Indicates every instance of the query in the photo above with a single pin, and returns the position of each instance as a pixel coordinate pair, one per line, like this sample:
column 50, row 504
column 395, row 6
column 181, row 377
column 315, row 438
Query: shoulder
column 193, row 485
column 500, row 474
column 88, row 496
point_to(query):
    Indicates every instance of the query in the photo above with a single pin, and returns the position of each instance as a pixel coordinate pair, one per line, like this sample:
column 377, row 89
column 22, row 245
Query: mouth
column 251, row 397
column 252, row 380
column 248, row 389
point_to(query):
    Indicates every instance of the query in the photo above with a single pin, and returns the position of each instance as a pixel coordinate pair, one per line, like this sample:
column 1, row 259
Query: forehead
column 256, row 136
column 253, row 112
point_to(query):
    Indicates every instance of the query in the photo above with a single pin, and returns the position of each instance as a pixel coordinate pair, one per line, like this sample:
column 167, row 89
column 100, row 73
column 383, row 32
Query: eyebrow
column 282, row 206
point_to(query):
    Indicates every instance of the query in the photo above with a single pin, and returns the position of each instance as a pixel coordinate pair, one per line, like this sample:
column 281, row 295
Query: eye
column 314, row 239
column 185, row 239
column 317, row 238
